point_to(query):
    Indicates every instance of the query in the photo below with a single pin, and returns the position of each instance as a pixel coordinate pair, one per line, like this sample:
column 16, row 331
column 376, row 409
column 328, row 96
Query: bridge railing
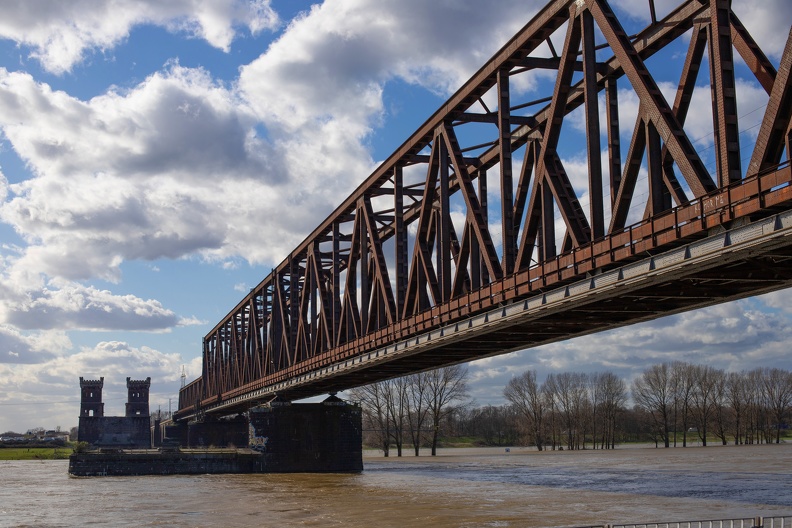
column 752, row 522
column 745, row 522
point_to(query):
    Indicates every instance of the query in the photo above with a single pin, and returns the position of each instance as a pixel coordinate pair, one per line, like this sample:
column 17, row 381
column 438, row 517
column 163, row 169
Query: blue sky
column 158, row 159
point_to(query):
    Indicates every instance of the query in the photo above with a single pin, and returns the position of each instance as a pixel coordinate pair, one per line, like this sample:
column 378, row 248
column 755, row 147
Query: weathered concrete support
column 309, row 437
column 124, row 432
column 176, row 434
column 99, row 464
column 225, row 432
column 156, row 433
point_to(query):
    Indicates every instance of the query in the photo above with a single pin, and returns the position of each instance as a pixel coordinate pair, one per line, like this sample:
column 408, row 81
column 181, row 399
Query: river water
column 458, row 488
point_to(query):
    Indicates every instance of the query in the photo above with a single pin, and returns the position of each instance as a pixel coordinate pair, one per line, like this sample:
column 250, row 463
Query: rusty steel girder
column 392, row 260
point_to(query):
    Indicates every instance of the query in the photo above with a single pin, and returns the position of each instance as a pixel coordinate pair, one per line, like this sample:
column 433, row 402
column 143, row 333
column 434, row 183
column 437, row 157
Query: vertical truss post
column 402, row 270
column 443, row 251
column 278, row 324
column 478, row 270
column 507, row 186
column 659, row 198
column 365, row 277
column 547, row 237
column 294, row 304
column 206, row 374
column 614, row 143
column 336, row 282
column 262, row 332
column 597, row 216
column 316, row 294
column 724, row 96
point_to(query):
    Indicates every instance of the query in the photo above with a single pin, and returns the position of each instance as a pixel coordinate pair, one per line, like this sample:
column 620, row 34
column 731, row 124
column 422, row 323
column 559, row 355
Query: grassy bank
column 34, row 453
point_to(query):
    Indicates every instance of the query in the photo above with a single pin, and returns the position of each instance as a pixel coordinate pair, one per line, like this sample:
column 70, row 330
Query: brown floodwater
column 458, row 488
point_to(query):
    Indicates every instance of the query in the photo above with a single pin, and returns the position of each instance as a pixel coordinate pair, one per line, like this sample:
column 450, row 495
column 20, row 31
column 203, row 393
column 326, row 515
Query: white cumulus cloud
column 61, row 34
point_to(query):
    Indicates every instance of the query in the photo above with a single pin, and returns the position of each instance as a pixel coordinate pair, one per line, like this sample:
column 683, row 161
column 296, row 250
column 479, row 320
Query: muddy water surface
column 465, row 488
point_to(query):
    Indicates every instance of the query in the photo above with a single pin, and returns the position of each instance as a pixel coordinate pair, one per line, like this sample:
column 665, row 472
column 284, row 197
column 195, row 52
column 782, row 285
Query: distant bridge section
column 415, row 270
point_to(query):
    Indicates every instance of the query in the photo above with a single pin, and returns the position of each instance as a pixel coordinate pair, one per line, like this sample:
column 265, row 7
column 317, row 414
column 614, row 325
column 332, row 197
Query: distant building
column 54, row 436
column 130, row 431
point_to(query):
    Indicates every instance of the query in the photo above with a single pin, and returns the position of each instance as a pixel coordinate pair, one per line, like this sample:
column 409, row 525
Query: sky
column 158, row 159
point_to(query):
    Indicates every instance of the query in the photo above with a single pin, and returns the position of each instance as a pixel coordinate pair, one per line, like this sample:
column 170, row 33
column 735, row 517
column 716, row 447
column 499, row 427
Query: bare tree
column 418, row 408
column 374, row 400
column 445, row 386
column 777, row 390
column 525, row 395
column 737, row 398
column 611, row 395
column 571, row 394
column 756, row 415
column 722, row 415
column 595, row 397
column 549, row 391
column 704, row 397
column 652, row 393
column 682, row 385
column 397, row 404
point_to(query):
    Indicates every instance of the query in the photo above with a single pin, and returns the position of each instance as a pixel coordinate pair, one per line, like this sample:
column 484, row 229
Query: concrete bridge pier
column 289, row 437
column 308, row 437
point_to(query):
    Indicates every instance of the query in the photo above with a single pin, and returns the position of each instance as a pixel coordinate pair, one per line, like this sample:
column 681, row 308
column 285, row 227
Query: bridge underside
column 732, row 264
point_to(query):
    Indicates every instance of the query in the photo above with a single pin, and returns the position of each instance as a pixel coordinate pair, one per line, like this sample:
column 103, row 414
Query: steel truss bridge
column 415, row 271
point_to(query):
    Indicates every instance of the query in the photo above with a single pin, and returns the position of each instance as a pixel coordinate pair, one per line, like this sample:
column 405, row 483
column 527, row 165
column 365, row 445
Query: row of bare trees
column 411, row 409
column 568, row 408
column 743, row 407
column 671, row 403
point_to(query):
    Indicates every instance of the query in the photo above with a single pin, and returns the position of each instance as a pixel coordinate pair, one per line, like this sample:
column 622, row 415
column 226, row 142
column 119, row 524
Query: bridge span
column 415, row 270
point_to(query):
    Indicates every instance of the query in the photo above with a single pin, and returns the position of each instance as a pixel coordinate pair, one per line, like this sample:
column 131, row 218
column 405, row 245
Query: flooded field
column 460, row 487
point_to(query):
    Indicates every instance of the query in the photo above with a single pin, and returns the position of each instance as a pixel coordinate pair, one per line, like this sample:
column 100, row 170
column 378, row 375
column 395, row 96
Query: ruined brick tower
column 138, row 397
column 131, row 431
column 91, row 397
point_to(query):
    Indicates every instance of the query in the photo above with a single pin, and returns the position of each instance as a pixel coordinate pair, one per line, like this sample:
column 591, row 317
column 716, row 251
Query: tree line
column 667, row 404
column 741, row 407
column 411, row 408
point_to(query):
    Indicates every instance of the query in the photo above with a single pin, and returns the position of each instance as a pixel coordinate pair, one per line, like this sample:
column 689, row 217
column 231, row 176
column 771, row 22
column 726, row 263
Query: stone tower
column 138, row 399
column 91, row 397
